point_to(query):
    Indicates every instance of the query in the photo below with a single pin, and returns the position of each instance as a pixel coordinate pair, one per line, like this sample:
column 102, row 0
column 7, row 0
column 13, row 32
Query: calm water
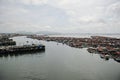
column 58, row 62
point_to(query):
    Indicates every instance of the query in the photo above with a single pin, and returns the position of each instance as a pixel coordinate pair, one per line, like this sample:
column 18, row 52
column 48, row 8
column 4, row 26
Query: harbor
column 106, row 46
column 8, row 46
column 19, row 49
column 5, row 41
column 59, row 39
column 93, row 41
column 57, row 62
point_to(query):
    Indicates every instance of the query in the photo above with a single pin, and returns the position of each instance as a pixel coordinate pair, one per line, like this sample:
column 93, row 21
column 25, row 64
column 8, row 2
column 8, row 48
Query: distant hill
column 24, row 32
column 47, row 33
column 40, row 32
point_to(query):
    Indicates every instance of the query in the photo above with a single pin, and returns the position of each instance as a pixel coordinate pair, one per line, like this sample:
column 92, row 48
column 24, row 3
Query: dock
column 8, row 46
column 21, row 49
column 6, row 41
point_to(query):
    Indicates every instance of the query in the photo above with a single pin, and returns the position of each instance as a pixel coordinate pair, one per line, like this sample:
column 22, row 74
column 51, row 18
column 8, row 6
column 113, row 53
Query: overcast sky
column 75, row 16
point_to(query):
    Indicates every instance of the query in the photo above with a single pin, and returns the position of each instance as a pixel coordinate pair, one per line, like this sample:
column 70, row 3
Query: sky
column 66, row 16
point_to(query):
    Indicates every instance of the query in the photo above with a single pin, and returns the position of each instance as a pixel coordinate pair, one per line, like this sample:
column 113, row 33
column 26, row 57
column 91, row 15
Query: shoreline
column 107, row 47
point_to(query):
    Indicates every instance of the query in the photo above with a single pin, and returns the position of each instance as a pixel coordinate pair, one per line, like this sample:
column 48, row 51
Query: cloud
column 33, row 2
column 113, row 10
column 25, row 2
column 89, row 11
column 12, row 11
column 23, row 26
column 61, row 15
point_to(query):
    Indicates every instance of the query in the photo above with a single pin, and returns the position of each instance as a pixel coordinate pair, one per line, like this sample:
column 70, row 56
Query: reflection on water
column 105, row 55
column 23, row 53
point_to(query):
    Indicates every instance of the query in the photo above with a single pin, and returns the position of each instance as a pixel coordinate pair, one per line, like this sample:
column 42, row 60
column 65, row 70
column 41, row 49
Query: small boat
column 91, row 50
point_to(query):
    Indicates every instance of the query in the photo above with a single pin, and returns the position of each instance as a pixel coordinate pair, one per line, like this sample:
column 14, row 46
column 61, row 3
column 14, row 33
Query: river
column 57, row 62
